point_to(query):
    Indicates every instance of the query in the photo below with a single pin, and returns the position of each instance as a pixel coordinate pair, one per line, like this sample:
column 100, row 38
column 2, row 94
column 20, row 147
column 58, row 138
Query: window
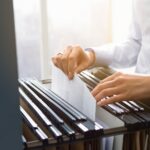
column 27, row 24
column 121, row 19
column 45, row 27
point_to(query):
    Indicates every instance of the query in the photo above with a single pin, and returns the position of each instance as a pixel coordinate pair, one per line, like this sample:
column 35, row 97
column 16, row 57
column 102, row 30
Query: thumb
column 80, row 68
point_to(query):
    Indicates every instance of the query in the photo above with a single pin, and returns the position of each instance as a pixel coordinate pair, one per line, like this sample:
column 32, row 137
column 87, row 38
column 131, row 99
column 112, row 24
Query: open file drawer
column 85, row 134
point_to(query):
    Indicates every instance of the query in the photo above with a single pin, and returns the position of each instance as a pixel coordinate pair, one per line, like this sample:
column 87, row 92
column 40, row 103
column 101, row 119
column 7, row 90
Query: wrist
column 91, row 56
column 146, row 85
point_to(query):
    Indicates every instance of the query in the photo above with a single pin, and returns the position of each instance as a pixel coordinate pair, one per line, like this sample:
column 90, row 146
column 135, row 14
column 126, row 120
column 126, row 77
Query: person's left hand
column 119, row 87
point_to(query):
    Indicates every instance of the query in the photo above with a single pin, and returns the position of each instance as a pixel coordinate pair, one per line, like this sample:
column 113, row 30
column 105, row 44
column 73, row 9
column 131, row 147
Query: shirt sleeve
column 123, row 54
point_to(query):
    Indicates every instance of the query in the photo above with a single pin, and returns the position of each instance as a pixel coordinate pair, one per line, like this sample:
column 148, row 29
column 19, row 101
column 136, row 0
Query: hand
column 73, row 60
column 119, row 87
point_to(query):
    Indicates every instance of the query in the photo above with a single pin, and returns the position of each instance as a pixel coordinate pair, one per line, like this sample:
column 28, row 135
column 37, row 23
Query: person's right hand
column 74, row 60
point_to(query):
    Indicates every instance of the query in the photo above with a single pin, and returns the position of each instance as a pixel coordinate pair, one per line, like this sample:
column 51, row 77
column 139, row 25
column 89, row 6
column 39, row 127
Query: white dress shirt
column 136, row 49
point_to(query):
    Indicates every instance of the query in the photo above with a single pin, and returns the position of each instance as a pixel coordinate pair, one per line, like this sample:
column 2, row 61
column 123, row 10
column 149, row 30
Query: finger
column 71, row 67
column 64, row 58
column 72, row 62
column 106, row 93
column 81, row 67
column 102, row 86
column 115, row 98
column 57, row 60
column 54, row 61
column 112, row 77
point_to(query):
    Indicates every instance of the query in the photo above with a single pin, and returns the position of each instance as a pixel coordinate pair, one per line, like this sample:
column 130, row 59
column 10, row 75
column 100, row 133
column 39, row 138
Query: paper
column 74, row 92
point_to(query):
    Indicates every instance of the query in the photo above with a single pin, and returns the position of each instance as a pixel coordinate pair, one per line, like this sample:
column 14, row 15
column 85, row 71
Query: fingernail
column 92, row 92
column 101, row 102
column 70, row 76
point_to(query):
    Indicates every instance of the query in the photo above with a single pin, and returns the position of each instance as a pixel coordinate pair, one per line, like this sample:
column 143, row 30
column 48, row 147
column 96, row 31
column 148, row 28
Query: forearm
column 119, row 55
column 145, row 88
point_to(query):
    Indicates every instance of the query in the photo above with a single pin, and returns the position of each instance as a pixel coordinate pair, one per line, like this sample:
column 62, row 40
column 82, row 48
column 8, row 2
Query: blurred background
column 46, row 27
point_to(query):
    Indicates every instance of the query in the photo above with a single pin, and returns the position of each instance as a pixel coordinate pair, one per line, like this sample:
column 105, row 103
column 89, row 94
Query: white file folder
column 78, row 95
column 74, row 91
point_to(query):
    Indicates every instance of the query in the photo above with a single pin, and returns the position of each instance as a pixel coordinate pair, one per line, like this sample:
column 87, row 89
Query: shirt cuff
column 104, row 55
